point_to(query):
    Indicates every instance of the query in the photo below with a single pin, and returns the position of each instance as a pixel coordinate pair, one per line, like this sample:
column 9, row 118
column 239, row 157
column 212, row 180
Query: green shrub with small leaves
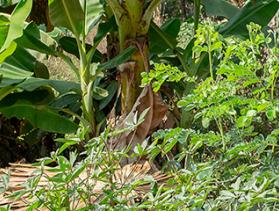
column 160, row 74
column 228, row 159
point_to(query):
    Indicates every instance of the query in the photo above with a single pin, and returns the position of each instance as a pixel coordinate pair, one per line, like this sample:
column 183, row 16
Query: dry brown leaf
column 124, row 175
column 156, row 113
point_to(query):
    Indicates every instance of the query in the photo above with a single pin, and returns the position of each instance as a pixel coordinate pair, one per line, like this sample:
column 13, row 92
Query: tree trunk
column 130, row 73
column 183, row 9
column 133, row 18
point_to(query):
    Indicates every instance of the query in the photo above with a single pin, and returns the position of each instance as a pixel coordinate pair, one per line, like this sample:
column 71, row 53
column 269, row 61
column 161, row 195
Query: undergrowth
column 227, row 160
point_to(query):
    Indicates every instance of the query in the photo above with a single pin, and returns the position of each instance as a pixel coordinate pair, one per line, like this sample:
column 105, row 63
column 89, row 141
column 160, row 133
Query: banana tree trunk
column 133, row 18
column 130, row 73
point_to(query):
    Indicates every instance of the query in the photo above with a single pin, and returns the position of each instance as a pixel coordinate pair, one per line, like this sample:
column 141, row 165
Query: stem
column 273, row 85
column 122, row 21
column 219, row 124
column 210, row 56
column 197, row 4
column 86, row 84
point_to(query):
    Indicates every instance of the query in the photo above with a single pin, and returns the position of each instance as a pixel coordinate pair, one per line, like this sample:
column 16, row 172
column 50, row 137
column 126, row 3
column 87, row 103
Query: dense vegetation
column 189, row 92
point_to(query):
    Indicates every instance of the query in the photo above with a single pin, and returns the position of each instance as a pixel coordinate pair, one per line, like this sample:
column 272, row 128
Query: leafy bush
column 225, row 157
column 229, row 158
column 95, row 182
column 186, row 34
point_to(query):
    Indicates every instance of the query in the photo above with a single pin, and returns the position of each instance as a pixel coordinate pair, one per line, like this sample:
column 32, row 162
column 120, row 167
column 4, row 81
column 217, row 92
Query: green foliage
column 161, row 74
column 12, row 28
column 95, row 182
column 68, row 14
column 22, row 72
column 251, row 12
column 23, row 76
column 207, row 41
column 164, row 37
column 185, row 34
column 226, row 157
column 6, row 3
column 231, row 152
column 221, row 8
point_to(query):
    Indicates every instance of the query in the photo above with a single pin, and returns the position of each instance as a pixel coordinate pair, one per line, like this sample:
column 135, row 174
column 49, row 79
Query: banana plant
column 23, row 76
column 133, row 18
column 78, row 17
column 138, row 37
column 25, row 87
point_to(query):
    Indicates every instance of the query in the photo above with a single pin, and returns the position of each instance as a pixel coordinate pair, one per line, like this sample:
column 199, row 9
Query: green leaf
column 119, row 59
column 244, row 121
column 22, row 60
column 112, row 88
column 31, row 84
column 197, row 8
column 205, row 173
column 251, row 113
column 78, row 171
column 99, row 93
column 63, row 163
column 40, row 116
column 4, row 29
column 259, row 12
column 138, row 150
column 220, row 8
column 92, row 12
column 205, row 122
column 17, row 18
column 34, row 39
column 69, row 45
column 40, row 70
column 224, row 194
column 271, row 114
column 35, row 205
column 7, row 3
column 7, row 52
column 104, row 28
column 58, row 178
column 37, row 97
column 66, row 145
column 67, row 13
column 6, row 91
column 169, row 146
column 66, row 100
column 164, row 38
column 7, row 82
column 13, row 72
